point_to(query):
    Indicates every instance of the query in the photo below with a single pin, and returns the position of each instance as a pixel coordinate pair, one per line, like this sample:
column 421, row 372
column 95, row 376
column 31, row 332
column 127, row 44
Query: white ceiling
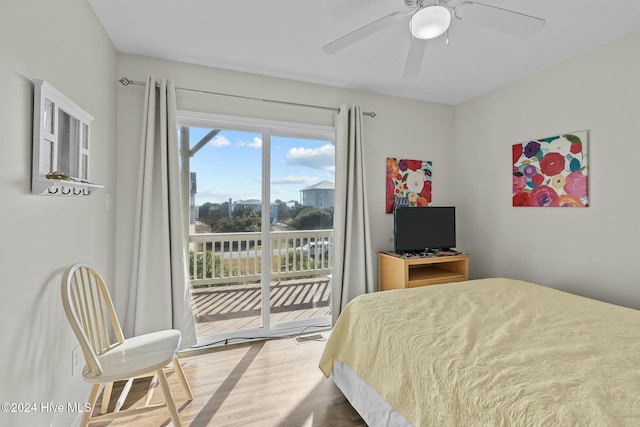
column 284, row 38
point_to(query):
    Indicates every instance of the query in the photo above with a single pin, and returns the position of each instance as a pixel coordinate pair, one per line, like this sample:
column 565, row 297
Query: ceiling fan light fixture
column 430, row 22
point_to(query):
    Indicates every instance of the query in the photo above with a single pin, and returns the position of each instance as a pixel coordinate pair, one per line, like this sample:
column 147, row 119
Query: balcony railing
column 236, row 258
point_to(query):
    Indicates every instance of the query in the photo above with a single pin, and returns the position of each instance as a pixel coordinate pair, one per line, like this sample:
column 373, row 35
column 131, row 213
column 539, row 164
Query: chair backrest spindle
column 91, row 313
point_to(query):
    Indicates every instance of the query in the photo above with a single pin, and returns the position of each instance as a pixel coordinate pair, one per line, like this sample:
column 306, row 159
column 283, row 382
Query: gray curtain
column 353, row 258
column 159, row 296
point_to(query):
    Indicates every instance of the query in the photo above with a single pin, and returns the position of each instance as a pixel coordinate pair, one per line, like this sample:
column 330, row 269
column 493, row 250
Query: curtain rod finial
column 125, row 81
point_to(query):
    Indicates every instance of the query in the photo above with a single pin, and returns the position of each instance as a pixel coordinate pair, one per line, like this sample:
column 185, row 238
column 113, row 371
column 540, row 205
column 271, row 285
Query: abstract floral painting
column 552, row 172
column 408, row 183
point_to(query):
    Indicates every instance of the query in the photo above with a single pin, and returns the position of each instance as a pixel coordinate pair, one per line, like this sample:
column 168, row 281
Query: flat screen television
column 417, row 229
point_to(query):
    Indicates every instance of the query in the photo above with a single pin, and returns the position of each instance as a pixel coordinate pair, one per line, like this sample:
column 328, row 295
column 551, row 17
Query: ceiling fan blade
column 362, row 32
column 414, row 58
column 495, row 18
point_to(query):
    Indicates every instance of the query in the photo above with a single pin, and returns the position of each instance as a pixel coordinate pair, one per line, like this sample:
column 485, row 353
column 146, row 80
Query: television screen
column 420, row 228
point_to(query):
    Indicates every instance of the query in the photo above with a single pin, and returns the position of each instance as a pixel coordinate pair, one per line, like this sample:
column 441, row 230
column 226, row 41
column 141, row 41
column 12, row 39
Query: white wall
column 402, row 128
column 62, row 42
column 592, row 251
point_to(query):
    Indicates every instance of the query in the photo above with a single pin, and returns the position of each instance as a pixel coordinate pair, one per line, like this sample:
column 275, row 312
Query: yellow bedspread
column 493, row 352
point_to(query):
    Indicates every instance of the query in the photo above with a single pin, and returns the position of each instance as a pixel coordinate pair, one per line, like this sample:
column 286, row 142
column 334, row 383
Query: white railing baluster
column 256, row 259
column 289, row 250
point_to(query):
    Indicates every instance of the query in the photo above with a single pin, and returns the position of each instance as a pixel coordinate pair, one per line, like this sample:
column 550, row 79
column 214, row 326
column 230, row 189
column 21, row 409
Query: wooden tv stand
column 398, row 272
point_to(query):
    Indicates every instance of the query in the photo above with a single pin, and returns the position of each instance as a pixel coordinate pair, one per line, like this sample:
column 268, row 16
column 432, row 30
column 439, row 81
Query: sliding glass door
column 301, row 235
column 260, row 225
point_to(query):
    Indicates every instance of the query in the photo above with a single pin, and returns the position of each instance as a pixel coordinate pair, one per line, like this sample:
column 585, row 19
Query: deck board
column 235, row 307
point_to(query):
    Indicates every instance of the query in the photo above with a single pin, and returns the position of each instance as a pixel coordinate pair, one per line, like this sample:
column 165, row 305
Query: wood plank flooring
column 263, row 383
column 220, row 309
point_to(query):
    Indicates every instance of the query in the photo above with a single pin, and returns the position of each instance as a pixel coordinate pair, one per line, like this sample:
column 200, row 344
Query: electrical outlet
column 76, row 358
column 107, row 201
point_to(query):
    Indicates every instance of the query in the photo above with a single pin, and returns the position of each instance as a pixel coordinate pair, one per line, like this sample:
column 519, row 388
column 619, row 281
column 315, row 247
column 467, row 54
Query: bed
column 485, row 353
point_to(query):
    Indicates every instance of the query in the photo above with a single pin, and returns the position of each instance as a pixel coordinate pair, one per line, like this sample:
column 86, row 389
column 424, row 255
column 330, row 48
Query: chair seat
column 137, row 356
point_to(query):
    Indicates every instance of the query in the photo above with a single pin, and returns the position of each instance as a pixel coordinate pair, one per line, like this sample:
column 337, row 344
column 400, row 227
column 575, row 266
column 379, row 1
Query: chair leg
column 123, row 395
column 183, row 379
column 106, row 397
column 168, row 397
column 152, row 387
column 93, row 397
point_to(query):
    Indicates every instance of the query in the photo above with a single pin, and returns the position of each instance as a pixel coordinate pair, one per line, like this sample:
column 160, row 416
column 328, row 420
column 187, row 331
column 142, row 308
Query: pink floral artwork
column 551, row 172
column 408, row 183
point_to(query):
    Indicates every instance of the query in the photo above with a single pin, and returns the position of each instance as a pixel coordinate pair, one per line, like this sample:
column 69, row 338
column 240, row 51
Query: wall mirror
column 61, row 144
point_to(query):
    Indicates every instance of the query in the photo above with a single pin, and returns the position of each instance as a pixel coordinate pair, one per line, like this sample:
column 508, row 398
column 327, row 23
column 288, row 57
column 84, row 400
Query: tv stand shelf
column 396, row 272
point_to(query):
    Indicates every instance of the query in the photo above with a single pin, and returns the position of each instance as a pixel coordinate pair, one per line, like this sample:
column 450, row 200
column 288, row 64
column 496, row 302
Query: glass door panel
column 225, row 228
column 302, row 186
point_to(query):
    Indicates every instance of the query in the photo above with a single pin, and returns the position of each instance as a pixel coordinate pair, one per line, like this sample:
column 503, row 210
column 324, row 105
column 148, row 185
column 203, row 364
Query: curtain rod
column 126, row 82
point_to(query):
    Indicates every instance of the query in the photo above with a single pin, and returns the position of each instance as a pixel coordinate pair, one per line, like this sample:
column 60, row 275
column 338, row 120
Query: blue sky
column 230, row 165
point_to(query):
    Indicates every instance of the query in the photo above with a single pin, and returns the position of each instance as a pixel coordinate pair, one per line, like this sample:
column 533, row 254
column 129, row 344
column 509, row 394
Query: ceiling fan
column 430, row 19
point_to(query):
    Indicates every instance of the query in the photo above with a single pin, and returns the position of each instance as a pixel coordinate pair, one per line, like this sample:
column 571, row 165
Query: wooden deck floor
column 235, row 307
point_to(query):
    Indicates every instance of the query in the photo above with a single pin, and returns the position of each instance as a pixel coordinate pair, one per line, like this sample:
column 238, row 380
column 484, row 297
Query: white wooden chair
column 91, row 314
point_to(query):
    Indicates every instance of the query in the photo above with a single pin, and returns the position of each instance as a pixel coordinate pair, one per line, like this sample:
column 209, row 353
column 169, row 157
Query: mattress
column 492, row 352
column 372, row 407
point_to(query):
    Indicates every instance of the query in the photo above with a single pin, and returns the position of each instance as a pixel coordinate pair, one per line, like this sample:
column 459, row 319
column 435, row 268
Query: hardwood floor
column 263, row 383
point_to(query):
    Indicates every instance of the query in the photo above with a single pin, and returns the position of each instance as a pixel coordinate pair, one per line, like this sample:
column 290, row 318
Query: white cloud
column 220, row 141
column 322, row 158
column 256, row 143
column 288, row 187
column 294, row 180
column 215, row 194
column 221, row 196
